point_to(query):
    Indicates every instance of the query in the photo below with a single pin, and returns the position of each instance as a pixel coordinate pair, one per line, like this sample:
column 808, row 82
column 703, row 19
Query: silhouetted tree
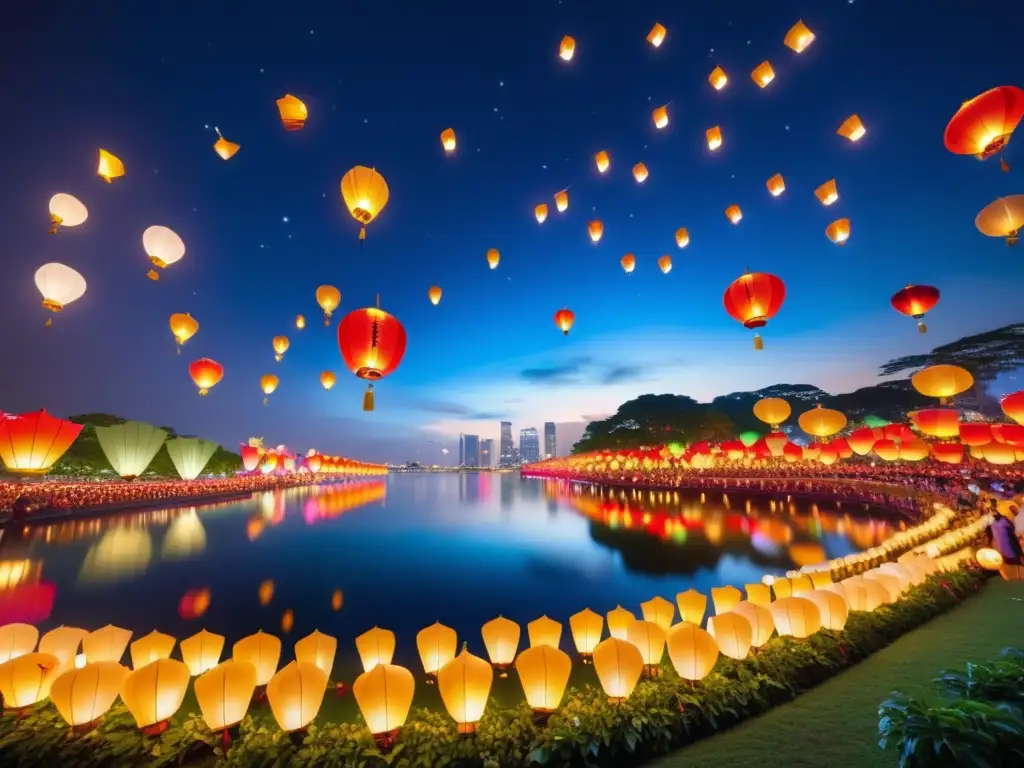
column 985, row 355
column 654, row 420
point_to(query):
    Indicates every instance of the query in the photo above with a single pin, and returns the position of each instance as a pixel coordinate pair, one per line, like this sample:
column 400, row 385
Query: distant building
column 469, row 450
column 550, row 442
column 487, row 453
column 529, row 445
column 505, row 458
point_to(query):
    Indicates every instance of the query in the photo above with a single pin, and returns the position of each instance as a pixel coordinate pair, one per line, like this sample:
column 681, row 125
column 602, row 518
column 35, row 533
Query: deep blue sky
column 381, row 80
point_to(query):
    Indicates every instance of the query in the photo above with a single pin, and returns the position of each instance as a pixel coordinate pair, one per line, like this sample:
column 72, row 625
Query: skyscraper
column 550, row 443
column 505, row 457
column 469, row 450
column 529, row 445
column 487, row 453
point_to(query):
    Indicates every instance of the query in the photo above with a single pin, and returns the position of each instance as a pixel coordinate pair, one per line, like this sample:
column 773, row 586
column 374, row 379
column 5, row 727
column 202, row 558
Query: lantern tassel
column 362, row 234
column 152, row 275
column 921, row 327
column 265, row 401
column 758, row 342
column 49, row 322
column 368, row 399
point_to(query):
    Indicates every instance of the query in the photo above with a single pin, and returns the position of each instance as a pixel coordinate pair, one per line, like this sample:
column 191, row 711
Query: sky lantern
column 916, row 301
column 772, row 411
column 501, row 638
column 718, row 78
column 268, row 384
column 328, row 297
column 544, row 673
column 59, row 285
column 628, row 263
column 821, row 422
column 153, row 693
column 942, row 381
column 328, row 379
column 26, row 680
column 1011, row 434
column 660, row 117
column 714, row 136
column 852, row 128
column 692, row 606
column 640, row 173
column 224, row 693
column 692, row 650
column 189, row 455
column 649, row 639
column 31, row 443
column 665, row 264
column 206, row 373
column 184, row 327
column 776, row 185
column 365, row 194
column 317, row 648
column 293, row 112
column 384, row 696
column 827, row 193
column 734, row 214
column 948, row 453
column 66, row 211
column 682, row 237
column 562, row 201
column 110, row 166
column 300, row 322
column 618, row 664
column 82, row 696
column 540, row 212
column 602, row 161
column 465, row 684
column 733, row 634
column 251, row 453
column 493, row 257
column 587, row 628
column 564, row 318
column 163, row 246
column 798, row 37
column 657, row 35
column 437, row 645
column 838, row 231
column 975, row 433
column 596, row 230
column 1000, row 454
column 375, row 646
column 763, row 74
column 130, row 446
column 862, row 440
column 448, row 140
column 983, row 125
column 295, row 695
column 434, row 294
column 226, row 149
column 619, row 620
column 544, row 631
column 280, row 344
column 1013, row 406
column 937, row 422
column 150, row 648
column 1002, row 218
column 566, row 48
column 753, row 299
column 659, row 611
column 372, row 343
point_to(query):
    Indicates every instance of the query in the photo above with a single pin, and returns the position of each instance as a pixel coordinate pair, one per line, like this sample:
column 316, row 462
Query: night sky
column 150, row 81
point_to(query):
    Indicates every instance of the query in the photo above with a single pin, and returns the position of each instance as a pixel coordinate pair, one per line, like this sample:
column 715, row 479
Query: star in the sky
column 284, row 219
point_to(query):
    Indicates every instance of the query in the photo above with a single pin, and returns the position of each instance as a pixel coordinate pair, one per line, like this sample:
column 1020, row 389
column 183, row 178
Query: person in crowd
column 1004, row 540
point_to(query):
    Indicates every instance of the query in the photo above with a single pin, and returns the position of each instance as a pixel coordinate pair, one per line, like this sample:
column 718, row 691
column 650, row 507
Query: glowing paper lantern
column 151, row 647
column 640, row 173
column 295, row 695
column 660, row 117
column 891, row 583
column 224, row 148
column 31, row 443
column 1013, row 406
column 329, row 299
column 1003, row 217
column 937, row 422
column 201, row 652
column 852, row 128
column 62, row 643
column 772, row 411
column 544, row 631
column 437, row 645
column 67, row 211
column 206, row 374
column 660, row 611
column 618, row 664
column 493, row 257
column 106, row 644
column 753, row 299
column 763, row 74
column 464, row 684
column 657, row 35
column 619, row 620
column 540, row 212
column 26, row 680
column 916, row 301
column 587, row 628
column 999, row 454
column 384, row 695
column 692, row 606
column 827, row 193
column 821, row 422
column 628, row 263
column 718, row 78
column 153, row 693
column 714, row 137
column 862, row 440
column 448, row 140
column 224, row 693
column 190, row 455
column 983, row 125
column 376, row 646
column 163, row 246
column 649, row 638
column 832, row 608
column 261, row 650
column 989, row 559
column 365, row 194
column 544, row 673
column 327, row 380
column 183, row 327
column 280, row 344
column 838, row 231
column 798, row 37
column 725, row 598
column 293, row 112
column 759, row 617
column 733, row 634
column 372, row 344
column 562, row 201
column 596, row 231
column 110, row 166
column 566, row 48
column 942, row 381
column 59, row 285
column 692, row 650
column 796, row 616
column 82, row 696
column 564, row 318
column 758, row 594
column 821, row 579
column 602, row 160
column 776, row 185
column 319, row 649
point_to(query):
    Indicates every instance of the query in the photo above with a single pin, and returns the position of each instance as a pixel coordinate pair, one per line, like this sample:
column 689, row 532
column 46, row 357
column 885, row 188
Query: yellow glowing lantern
column 266, row 592
column 319, row 649
column 82, row 696
column 657, row 35
column 295, row 695
column 464, row 684
column 714, row 136
column 544, row 631
column 821, row 579
column 493, row 257
column 852, row 128
column 989, row 559
column 596, row 230
column 800, row 583
column 827, row 193
column 692, row 606
column 725, row 598
column 693, row 651
column 619, row 620
column 62, row 642
column 566, row 48
column 183, row 326
column 201, row 652
column 300, row 322
column 1003, row 217
column 628, row 263
column 16, row 640
column 268, row 384
column 602, row 160
column 59, row 285
column 942, row 381
column 776, row 185
column 763, row 74
column 892, row 585
column 618, row 664
column 163, row 246
column 798, row 37
column 106, row 644
column 1000, row 454
column 821, row 422
column 682, row 237
column 293, row 112
column 660, row 611
column 66, row 211
column 280, row 344
column 327, row 380
column 153, row 693
column 261, row 650
column 660, row 116
column 718, row 78
column 434, row 294
column 501, row 638
column 782, row 588
column 329, row 298
column 26, row 680
column 540, row 212
column 150, row 648
column 544, row 673
column 759, row 617
column 640, row 173
column 365, row 194
column 734, row 214
column 562, row 201
column 587, row 628
column 448, row 140
column 384, row 695
column 649, row 638
column 226, row 149
column 758, row 594
column 110, row 166
column 437, row 645
column 832, row 608
column 796, row 616
column 665, row 264
column 224, row 693
column 376, row 646
column 906, row 578
column 733, row 634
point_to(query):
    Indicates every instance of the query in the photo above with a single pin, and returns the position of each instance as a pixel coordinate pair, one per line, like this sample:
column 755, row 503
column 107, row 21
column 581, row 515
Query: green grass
column 836, row 724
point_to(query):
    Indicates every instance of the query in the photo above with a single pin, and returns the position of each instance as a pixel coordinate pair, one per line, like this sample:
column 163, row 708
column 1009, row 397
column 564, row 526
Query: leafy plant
column 997, row 681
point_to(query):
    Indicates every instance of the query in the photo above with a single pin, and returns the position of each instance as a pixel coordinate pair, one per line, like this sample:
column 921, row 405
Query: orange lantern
column 660, row 116
column 206, row 373
column 434, row 294
column 693, row 651
column 665, row 264
column 948, row 453
column 562, row 201
column 942, row 381
column 1013, row 406
column 628, row 262
column 328, row 379
column 852, row 128
column 733, row 633
column 493, row 257
column 718, row 78
column 226, row 149
column 375, row 646
column 937, row 422
column 975, row 433
column 566, row 48
column 838, row 231
column 772, row 411
column 640, row 173
column 280, row 344
column 714, row 137
column 544, row 631
column 734, row 214
column 329, row 298
column 184, row 327
column 657, row 35
column 821, row 422
column 798, row 37
column 596, row 231
column 448, row 140
column 796, row 616
column 983, row 125
column 372, row 343
column 692, row 606
column 268, row 383
column 501, row 638
column 763, row 74
column 776, row 185
column 619, row 620
column 682, row 237
column 365, row 193
column 293, row 112
column 827, row 193
column 587, row 628
column 110, row 166
column 31, row 443
column 602, row 160
column 916, row 301
column 753, row 299
column 618, row 664
column 1003, row 217
column 564, row 319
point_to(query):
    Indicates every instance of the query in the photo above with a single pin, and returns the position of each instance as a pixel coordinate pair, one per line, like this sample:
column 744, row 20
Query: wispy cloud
column 565, row 373
column 622, row 373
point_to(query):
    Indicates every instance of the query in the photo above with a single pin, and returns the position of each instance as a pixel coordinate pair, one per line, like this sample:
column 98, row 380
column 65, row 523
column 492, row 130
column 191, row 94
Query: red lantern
column 792, row 452
column 1011, row 434
column 887, row 449
column 754, row 299
column 564, row 319
column 315, row 462
column 27, row 603
column 250, row 457
column 975, row 433
column 206, row 373
column 842, row 446
column 997, row 453
column 734, row 449
column 948, row 453
column 372, row 344
column 983, row 125
column 862, row 440
column 914, row 449
column 897, row 432
column 828, row 454
column 193, row 604
column 1013, row 406
column 937, row 422
column 33, row 442
column 916, row 301
column 776, row 442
